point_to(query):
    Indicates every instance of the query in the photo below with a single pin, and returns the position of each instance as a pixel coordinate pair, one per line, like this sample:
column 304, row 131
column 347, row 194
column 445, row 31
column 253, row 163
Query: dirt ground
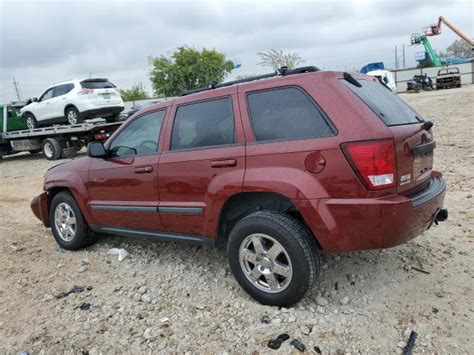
column 183, row 298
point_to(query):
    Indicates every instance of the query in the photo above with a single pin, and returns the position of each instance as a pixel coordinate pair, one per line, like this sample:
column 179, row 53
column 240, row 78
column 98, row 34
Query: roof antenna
column 90, row 74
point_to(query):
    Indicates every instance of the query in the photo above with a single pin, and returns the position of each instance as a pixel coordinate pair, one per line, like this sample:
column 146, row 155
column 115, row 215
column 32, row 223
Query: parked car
column 448, row 78
column 74, row 101
column 385, row 77
column 276, row 168
column 137, row 107
column 420, row 82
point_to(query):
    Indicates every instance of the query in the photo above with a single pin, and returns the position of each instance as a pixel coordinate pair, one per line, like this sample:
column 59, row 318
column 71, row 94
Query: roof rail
column 283, row 71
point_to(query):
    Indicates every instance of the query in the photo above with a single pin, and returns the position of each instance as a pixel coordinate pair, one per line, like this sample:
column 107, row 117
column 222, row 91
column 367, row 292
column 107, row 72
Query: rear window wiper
column 350, row 79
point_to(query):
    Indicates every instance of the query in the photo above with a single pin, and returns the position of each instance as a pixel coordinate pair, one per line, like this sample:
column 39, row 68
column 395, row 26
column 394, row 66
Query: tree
column 277, row 59
column 458, row 49
column 136, row 92
column 188, row 69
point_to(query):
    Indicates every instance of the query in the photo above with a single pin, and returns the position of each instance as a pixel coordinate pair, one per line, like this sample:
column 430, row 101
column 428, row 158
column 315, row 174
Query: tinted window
column 47, row 95
column 140, row 137
column 387, row 105
column 62, row 89
column 285, row 114
column 97, row 84
column 203, row 124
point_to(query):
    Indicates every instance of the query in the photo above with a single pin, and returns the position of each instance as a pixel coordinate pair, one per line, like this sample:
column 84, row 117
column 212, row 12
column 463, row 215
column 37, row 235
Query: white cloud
column 46, row 42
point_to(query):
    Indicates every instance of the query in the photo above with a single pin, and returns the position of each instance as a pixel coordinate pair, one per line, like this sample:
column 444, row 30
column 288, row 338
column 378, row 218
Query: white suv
column 74, row 101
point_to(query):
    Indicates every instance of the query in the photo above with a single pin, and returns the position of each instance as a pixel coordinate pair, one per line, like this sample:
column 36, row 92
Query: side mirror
column 35, row 99
column 96, row 150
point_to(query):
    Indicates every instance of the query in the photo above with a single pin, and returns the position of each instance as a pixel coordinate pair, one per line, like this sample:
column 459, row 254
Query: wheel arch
column 242, row 204
column 69, row 105
column 56, row 189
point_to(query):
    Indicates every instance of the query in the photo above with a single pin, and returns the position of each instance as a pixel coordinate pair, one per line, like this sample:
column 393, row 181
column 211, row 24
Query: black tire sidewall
column 28, row 115
column 299, row 283
column 78, row 240
column 58, row 149
column 79, row 118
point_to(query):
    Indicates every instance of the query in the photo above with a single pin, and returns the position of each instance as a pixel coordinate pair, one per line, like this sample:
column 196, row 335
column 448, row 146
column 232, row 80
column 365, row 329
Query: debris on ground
column 265, row 319
column 317, row 350
column 85, row 306
column 276, row 343
column 408, row 349
column 74, row 289
column 122, row 253
column 298, row 345
column 420, row 270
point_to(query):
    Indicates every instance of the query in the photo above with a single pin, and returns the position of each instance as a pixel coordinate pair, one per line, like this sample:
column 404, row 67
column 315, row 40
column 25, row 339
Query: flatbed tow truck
column 56, row 142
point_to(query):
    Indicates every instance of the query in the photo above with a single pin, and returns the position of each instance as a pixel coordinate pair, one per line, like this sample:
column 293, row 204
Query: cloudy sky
column 45, row 42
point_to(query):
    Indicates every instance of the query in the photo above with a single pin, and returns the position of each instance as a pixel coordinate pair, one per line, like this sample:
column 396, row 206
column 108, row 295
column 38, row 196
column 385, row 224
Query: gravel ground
column 183, row 298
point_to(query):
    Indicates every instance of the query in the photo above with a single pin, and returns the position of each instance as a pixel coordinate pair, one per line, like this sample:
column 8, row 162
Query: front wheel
column 273, row 257
column 31, row 122
column 68, row 225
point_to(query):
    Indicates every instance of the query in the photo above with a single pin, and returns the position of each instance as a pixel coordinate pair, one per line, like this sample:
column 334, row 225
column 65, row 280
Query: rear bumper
column 39, row 206
column 102, row 112
column 343, row 225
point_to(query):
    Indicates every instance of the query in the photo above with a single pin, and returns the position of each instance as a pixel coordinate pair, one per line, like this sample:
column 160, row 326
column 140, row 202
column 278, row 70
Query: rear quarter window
column 286, row 114
column 392, row 110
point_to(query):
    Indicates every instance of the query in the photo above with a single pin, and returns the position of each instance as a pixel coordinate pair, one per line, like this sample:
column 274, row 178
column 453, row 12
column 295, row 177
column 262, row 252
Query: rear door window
column 203, row 124
column 392, row 110
column 286, row 114
column 62, row 89
column 97, row 84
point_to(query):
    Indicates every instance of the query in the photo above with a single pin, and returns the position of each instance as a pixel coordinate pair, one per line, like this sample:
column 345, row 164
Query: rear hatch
column 413, row 138
column 101, row 92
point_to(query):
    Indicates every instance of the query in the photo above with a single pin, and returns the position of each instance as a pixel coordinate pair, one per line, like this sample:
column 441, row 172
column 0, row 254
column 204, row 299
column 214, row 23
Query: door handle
column 143, row 170
column 228, row 163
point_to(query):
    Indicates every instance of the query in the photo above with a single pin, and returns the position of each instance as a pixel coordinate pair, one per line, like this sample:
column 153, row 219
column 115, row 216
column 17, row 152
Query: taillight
column 85, row 91
column 374, row 162
column 101, row 136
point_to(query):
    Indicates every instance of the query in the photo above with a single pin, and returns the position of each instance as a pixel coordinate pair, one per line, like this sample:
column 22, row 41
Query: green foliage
column 458, row 49
column 136, row 92
column 187, row 69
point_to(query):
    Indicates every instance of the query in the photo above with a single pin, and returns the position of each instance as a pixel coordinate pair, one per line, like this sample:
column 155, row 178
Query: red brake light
column 374, row 162
column 85, row 91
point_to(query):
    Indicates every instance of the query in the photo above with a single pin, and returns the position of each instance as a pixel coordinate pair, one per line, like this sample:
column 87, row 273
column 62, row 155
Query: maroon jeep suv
column 275, row 167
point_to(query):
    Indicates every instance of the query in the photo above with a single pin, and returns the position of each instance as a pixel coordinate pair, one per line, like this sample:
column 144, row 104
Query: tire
column 299, row 257
column 73, row 116
column 31, row 122
column 68, row 234
column 52, row 149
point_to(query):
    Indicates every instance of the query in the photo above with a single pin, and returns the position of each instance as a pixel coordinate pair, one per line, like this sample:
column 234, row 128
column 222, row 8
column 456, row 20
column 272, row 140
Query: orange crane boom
column 434, row 30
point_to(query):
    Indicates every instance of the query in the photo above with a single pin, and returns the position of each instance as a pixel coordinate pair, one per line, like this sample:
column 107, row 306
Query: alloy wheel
column 72, row 117
column 65, row 221
column 265, row 263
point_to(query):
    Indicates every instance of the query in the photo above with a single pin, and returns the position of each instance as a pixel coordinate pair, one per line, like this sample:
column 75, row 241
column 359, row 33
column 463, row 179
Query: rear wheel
column 68, row 225
column 52, row 149
column 273, row 257
column 31, row 122
column 73, row 116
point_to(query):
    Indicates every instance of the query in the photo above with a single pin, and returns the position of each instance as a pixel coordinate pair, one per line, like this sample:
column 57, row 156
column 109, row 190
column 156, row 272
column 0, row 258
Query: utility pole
column 396, row 57
column 17, row 90
column 404, row 57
